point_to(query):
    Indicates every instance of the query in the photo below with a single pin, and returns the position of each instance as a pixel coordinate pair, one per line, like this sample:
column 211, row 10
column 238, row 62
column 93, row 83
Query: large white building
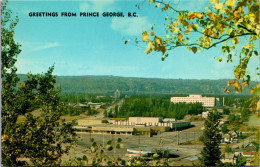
column 206, row 101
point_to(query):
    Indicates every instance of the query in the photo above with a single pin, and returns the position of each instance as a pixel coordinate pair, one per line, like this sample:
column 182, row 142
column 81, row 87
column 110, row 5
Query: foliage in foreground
column 223, row 23
column 39, row 139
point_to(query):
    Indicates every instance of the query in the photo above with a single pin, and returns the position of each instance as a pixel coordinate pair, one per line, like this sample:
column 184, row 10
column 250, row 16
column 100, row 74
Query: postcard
column 130, row 83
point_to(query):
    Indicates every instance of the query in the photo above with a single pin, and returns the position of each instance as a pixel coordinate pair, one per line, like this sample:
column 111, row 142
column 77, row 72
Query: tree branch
column 214, row 44
column 171, row 7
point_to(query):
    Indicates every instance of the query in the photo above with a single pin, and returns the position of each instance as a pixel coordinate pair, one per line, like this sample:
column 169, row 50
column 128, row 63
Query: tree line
column 155, row 107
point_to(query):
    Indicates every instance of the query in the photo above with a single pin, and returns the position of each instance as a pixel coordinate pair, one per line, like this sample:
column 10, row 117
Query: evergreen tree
column 211, row 154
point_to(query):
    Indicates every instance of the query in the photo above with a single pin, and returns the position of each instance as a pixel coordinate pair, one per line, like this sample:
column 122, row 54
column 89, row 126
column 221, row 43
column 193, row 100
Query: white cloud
column 97, row 5
column 84, row 7
column 130, row 26
column 46, row 46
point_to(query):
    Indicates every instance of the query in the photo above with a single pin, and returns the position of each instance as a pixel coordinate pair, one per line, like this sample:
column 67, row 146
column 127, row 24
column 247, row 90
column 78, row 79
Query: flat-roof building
column 196, row 98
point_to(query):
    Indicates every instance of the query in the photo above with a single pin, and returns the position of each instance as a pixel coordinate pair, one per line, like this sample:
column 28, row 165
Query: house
column 248, row 151
column 238, row 151
column 229, row 157
column 227, row 138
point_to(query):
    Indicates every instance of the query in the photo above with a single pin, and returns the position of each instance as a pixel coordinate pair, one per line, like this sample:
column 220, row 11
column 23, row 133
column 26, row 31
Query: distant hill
column 131, row 85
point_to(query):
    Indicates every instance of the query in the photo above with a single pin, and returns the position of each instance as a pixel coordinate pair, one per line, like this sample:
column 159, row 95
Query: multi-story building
column 208, row 102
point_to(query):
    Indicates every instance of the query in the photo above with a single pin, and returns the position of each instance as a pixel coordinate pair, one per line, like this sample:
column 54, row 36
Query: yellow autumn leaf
column 206, row 44
column 180, row 37
column 144, row 36
column 149, row 45
column 212, row 16
column 234, row 40
column 227, row 90
column 229, row 31
column 252, row 17
column 237, row 14
column 216, row 6
column 222, row 9
column 175, row 30
column 229, row 83
column 235, row 85
column 188, row 29
column 245, row 83
column 252, row 90
column 209, row 32
column 4, row 138
column 246, row 46
column 199, row 15
column 174, row 24
column 157, row 40
column 257, row 29
column 248, row 26
column 152, row 33
column 230, row 2
column 241, row 20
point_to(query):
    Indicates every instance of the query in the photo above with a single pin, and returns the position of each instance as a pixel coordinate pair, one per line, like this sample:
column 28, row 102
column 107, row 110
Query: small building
column 227, row 138
column 229, row 158
column 205, row 114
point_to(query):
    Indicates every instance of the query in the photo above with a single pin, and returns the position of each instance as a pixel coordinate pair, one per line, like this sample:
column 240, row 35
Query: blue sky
column 95, row 46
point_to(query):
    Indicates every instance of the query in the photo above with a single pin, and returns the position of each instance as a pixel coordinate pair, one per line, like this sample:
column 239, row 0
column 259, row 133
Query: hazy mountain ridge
column 131, row 85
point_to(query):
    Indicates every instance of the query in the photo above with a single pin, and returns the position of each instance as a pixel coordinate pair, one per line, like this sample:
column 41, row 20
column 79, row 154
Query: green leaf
column 119, row 140
column 256, row 53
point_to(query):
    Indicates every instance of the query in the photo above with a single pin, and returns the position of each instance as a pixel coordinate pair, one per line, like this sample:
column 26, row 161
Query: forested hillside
column 130, row 85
